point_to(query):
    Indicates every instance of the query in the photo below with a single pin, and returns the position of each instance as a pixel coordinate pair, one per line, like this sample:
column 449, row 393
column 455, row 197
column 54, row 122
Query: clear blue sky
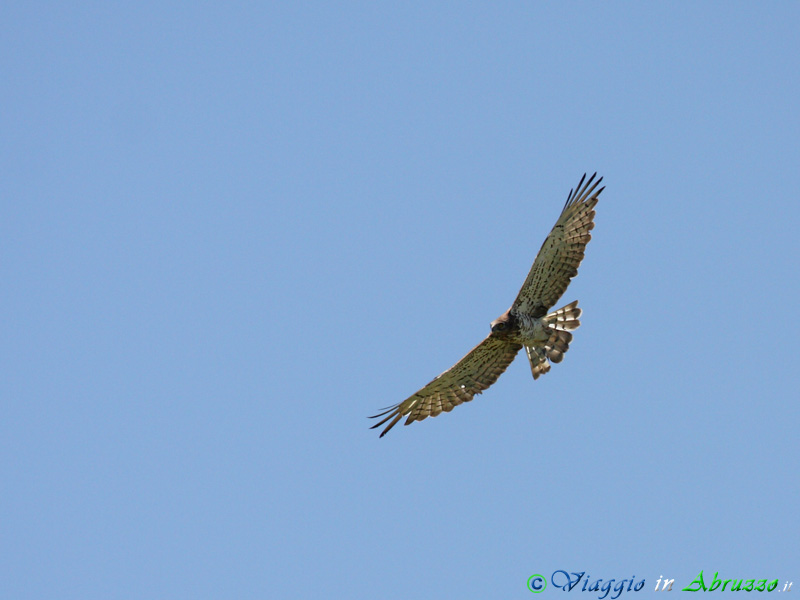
column 232, row 231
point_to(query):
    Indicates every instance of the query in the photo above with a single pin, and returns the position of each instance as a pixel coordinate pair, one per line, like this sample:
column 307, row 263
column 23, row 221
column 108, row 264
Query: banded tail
column 560, row 322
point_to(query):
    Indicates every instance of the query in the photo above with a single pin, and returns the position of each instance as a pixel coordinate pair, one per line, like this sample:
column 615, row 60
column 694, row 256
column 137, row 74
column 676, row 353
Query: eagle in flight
column 544, row 335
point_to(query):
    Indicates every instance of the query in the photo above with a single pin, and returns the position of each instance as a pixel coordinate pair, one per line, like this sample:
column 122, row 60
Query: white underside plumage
column 532, row 331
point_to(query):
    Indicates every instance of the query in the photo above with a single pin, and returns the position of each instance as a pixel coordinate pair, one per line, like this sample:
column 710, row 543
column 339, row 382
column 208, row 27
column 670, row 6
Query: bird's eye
column 500, row 327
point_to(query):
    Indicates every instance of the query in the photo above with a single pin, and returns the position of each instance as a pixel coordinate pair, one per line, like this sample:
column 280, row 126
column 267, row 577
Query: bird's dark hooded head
column 504, row 325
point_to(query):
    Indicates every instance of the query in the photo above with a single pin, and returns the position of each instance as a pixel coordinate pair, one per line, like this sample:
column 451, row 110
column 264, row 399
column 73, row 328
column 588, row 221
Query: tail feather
column 538, row 360
column 557, row 345
column 566, row 318
column 560, row 322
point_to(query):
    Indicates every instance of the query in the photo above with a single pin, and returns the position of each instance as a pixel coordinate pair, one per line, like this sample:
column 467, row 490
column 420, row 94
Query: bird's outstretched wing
column 562, row 252
column 479, row 369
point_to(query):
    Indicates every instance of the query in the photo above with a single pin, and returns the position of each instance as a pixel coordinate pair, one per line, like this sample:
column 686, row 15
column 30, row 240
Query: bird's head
column 504, row 325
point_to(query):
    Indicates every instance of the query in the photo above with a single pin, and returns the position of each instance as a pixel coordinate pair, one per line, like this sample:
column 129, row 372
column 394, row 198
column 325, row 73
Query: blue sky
column 231, row 231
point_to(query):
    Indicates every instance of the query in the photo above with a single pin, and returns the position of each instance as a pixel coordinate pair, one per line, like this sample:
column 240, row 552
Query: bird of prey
column 544, row 335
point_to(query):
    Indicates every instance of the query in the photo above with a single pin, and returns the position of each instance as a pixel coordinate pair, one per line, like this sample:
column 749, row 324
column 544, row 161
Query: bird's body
column 527, row 324
column 521, row 328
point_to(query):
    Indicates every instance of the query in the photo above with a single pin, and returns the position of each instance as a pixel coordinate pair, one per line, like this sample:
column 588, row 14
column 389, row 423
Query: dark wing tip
column 385, row 410
column 391, row 411
column 573, row 192
column 388, row 427
column 583, row 191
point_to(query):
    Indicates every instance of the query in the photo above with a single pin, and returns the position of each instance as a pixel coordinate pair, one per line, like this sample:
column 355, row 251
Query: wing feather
column 474, row 373
column 562, row 252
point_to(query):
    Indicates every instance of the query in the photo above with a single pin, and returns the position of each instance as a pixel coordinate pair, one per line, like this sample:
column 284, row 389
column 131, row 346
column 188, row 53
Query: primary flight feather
column 545, row 336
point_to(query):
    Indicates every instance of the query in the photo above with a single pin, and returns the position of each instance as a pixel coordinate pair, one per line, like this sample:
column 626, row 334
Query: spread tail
column 560, row 322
